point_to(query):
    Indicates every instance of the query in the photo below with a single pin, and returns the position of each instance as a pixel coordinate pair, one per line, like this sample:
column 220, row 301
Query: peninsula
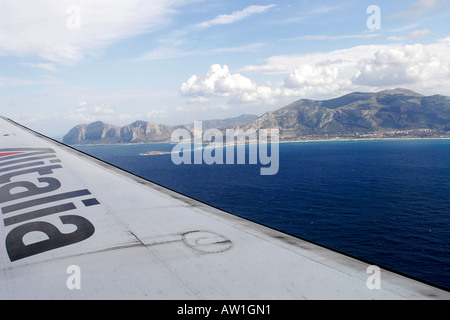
column 398, row 113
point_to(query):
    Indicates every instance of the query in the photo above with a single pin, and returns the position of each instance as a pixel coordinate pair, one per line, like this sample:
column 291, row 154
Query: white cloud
column 418, row 34
column 424, row 68
column 125, row 116
column 156, row 113
column 219, row 82
column 404, row 28
column 344, row 59
column 396, row 38
column 321, row 80
column 19, row 82
column 412, row 36
column 198, row 99
column 309, row 14
column 79, row 110
column 235, row 16
column 418, row 65
column 150, row 115
column 41, row 27
column 322, row 9
column 46, row 66
column 103, row 109
column 307, row 75
column 328, row 37
column 163, row 53
column 314, row 80
column 245, row 48
column 33, row 118
column 216, row 107
column 81, row 115
column 418, row 8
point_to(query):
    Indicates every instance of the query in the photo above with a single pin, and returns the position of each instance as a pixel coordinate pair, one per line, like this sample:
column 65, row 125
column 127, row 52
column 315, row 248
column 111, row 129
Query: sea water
column 384, row 201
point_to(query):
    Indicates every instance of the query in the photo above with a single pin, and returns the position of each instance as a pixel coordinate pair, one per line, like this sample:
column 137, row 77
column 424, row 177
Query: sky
column 63, row 63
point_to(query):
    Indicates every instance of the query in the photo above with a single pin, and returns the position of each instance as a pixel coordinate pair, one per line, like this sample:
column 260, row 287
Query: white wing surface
column 74, row 227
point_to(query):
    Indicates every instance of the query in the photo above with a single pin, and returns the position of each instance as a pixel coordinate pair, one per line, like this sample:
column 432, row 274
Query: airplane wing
column 74, row 227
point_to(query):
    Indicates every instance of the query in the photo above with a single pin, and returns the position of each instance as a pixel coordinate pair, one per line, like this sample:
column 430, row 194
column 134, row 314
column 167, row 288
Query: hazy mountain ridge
column 140, row 131
column 388, row 113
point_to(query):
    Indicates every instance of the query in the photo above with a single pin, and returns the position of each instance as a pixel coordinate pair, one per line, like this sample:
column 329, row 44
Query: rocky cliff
column 103, row 133
column 139, row 131
column 93, row 133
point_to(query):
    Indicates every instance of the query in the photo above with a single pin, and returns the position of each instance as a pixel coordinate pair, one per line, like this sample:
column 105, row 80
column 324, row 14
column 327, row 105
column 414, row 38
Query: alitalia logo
column 31, row 196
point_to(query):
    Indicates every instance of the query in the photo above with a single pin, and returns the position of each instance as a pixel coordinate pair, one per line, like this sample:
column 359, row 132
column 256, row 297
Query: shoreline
column 285, row 141
column 367, row 139
column 225, row 145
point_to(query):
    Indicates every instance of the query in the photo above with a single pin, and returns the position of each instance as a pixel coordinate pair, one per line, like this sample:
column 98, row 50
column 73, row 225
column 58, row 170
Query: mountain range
column 140, row 131
column 384, row 114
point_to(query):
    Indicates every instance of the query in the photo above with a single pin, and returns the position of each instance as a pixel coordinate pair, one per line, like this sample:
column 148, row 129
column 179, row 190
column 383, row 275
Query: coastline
column 206, row 145
column 367, row 139
column 225, row 145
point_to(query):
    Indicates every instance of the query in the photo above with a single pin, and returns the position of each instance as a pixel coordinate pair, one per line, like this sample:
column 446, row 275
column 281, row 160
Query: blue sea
column 384, row 201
